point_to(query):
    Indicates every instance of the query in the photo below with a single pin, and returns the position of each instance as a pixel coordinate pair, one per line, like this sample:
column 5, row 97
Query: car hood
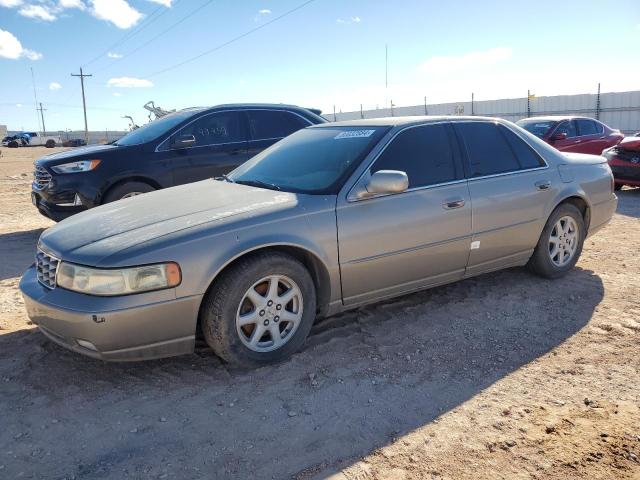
column 630, row 143
column 91, row 236
column 83, row 152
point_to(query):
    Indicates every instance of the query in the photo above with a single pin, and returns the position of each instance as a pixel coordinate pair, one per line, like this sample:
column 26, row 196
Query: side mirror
column 184, row 141
column 386, row 182
column 559, row 136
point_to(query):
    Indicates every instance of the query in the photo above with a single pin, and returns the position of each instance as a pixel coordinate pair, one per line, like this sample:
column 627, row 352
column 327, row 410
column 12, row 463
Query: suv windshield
column 154, row 129
column 538, row 127
column 312, row 160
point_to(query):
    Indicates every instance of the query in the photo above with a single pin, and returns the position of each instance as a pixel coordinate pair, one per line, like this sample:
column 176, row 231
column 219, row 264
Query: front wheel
column 50, row 144
column 560, row 243
column 260, row 310
column 126, row 190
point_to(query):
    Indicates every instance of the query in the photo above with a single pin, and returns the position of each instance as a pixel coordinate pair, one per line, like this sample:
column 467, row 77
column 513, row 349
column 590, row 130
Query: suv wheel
column 50, row 144
column 560, row 243
column 260, row 310
column 126, row 190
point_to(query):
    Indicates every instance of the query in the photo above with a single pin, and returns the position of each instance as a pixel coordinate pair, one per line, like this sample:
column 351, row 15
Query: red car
column 573, row 134
column 624, row 160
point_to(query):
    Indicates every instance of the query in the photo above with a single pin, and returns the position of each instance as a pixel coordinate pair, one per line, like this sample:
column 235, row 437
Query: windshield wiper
column 259, row 183
column 225, row 177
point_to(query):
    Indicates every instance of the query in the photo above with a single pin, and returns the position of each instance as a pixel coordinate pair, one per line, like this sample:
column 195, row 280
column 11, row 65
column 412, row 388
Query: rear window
column 587, row 127
column 270, row 124
column 527, row 157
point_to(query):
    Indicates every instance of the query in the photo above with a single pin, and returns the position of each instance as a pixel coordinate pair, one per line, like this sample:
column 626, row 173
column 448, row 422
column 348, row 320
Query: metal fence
column 619, row 110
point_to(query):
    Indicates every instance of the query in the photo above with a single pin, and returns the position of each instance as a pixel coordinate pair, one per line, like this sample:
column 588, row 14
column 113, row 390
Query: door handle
column 543, row 185
column 451, row 204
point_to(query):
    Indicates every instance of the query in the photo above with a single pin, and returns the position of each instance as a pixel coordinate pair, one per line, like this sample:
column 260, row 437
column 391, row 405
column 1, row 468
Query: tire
column 125, row 190
column 12, row 144
column 617, row 187
column 50, row 144
column 221, row 312
column 541, row 262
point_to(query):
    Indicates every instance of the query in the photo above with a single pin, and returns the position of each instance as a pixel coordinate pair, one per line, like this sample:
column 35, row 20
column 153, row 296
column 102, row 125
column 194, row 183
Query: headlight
column 75, row 167
column 124, row 281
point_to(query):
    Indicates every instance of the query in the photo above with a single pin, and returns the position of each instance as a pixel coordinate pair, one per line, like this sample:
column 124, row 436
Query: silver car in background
column 332, row 217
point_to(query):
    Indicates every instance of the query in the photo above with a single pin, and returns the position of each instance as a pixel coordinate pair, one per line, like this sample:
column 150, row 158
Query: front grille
column 41, row 177
column 632, row 156
column 46, row 268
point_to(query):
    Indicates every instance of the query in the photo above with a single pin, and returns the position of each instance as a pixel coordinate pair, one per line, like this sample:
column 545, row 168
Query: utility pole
column 41, row 110
column 598, row 104
column 472, row 110
column 84, row 103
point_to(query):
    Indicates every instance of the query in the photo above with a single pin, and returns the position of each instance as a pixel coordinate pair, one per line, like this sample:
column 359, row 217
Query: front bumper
column 55, row 212
column 127, row 328
column 625, row 172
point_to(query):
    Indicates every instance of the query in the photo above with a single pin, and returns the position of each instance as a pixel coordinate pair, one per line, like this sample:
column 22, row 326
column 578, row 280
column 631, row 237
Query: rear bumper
column 601, row 214
column 135, row 327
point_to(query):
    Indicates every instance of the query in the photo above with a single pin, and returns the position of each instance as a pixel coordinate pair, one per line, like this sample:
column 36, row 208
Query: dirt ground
column 504, row 376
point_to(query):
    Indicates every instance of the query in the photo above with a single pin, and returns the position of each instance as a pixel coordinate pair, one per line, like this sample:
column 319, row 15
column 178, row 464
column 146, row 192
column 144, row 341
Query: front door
column 392, row 244
column 571, row 143
column 220, row 146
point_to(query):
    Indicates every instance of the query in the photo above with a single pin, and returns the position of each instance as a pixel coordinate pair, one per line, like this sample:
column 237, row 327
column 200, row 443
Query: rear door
column 509, row 185
column 266, row 127
column 390, row 244
column 220, row 146
column 590, row 140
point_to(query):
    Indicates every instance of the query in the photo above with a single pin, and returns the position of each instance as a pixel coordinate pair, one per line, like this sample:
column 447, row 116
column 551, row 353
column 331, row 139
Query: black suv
column 185, row 146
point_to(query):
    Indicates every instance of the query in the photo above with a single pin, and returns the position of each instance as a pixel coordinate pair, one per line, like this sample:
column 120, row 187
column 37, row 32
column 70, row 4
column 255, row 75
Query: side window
column 489, row 153
column 599, row 128
column 424, row 153
column 525, row 154
column 216, row 128
column 568, row 127
column 586, row 127
column 267, row 124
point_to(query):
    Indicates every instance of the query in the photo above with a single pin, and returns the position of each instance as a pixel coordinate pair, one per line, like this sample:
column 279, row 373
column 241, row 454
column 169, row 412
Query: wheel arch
column 311, row 261
column 122, row 181
column 581, row 204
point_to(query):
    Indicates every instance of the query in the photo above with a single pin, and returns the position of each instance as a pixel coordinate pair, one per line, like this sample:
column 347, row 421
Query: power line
column 171, row 27
column 233, row 40
column 150, row 19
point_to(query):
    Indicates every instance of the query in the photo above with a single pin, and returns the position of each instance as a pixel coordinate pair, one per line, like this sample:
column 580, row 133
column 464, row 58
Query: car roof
column 403, row 121
column 556, row 118
column 277, row 106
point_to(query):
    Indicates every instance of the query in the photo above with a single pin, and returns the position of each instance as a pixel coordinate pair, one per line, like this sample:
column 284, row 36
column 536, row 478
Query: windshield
column 538, row 127
column 154, row 129
column 312, row 160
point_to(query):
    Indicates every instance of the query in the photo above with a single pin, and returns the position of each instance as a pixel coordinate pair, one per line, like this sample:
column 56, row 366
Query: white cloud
column 72, row 4
column 446, row 64
column 10, row 3
column 38, row 11
column 118, row 12
column 349, row 20
column 166, row 3
column 116, row 94
column 114, row 55
column 264, row 11
column 129, row 82
column 55, row 86
column 10, row 47
column 19, row 105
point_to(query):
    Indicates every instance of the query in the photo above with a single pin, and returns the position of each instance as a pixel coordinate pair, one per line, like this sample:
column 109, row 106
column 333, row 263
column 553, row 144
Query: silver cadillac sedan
column 333, row 217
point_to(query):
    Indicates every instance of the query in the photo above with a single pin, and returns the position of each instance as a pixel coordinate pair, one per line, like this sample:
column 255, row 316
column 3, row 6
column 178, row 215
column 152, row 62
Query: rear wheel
column 12, row 144
column 50, row 144
column 560, row 243
column 260, row 310
column 126, row 190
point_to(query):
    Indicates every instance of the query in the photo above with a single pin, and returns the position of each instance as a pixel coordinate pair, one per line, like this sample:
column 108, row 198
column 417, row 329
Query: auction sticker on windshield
column 354, row 134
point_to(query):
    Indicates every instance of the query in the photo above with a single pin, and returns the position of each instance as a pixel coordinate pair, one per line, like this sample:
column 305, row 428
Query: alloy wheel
column 563, row 241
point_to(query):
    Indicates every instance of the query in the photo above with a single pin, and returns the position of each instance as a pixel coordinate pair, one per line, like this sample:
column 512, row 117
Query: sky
column 318, row 53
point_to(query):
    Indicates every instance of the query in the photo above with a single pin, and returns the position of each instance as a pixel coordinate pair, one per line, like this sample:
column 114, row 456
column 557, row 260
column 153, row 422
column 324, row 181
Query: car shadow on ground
column 629, row 202
column 17, row 251
column 364, row 378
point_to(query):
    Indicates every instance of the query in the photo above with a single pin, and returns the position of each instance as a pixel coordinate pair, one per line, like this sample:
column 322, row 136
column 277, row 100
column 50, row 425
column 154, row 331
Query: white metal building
column 619, row 110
